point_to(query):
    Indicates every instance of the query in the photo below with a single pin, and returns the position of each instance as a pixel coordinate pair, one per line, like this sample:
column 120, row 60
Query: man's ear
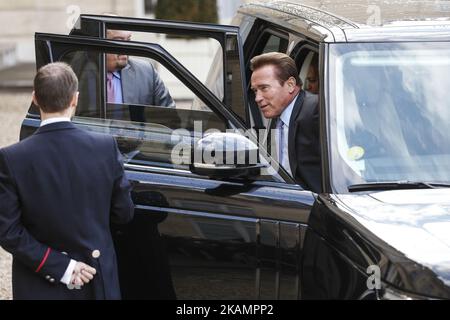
column 74, row 101
column 291, row 82
column 33, row 98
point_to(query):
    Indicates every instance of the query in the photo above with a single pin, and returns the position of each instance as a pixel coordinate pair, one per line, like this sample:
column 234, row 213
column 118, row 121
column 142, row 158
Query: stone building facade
column 20, row 19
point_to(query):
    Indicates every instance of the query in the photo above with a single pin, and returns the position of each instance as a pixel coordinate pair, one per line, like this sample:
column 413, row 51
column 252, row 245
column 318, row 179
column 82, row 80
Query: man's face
column 312, row 80
column 116, row 62
column 272, row 97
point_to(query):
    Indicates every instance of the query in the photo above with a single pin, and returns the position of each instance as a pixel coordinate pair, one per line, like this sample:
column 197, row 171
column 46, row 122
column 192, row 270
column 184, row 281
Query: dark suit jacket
column 59, row 189
column 304, row 143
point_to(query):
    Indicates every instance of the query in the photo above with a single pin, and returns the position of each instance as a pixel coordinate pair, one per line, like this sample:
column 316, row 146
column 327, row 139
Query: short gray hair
column 55, row 84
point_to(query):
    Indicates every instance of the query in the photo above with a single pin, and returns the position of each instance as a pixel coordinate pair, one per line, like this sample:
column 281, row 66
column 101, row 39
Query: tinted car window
column 274, row 43
column 146, row 133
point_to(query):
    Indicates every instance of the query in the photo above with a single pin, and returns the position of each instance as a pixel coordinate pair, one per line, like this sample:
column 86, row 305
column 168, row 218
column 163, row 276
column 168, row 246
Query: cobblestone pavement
column 13, row 107
column 5, row 275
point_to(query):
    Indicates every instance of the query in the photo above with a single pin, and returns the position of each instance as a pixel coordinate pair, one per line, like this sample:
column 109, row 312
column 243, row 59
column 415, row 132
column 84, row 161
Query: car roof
column 358, row 20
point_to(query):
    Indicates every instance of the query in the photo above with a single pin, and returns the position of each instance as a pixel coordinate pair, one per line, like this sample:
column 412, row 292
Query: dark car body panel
column 370, row 232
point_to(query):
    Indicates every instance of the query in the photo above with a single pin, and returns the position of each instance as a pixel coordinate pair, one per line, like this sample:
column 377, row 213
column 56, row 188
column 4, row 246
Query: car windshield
column 389, row 113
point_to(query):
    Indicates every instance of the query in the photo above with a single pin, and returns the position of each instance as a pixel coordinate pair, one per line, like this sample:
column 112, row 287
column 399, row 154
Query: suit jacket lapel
column 128, row 78
column 293, row 124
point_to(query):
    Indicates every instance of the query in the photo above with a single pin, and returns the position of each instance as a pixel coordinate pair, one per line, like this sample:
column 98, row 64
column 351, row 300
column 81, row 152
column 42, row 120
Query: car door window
column 206, row 38
column 273, row 43
column 147, row 122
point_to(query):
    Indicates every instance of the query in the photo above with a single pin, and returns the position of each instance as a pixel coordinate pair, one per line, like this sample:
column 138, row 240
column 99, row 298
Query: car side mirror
column 225, row 155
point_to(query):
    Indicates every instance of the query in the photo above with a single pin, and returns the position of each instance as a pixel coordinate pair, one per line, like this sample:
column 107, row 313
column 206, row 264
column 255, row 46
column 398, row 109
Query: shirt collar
column 54, row 120
column 286, row 114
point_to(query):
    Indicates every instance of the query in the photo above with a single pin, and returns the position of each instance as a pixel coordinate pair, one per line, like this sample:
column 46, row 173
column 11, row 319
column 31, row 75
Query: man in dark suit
column 59, row 190
column 279, row 95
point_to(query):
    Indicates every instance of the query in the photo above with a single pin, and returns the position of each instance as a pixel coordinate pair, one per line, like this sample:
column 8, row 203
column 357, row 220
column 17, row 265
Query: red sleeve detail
column 43, row 260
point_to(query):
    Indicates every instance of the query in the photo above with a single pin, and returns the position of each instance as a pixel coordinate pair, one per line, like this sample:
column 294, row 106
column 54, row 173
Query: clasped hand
column 82, row 274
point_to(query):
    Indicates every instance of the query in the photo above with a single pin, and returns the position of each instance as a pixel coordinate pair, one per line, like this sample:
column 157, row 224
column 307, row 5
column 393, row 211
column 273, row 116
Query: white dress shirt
column 53, row 120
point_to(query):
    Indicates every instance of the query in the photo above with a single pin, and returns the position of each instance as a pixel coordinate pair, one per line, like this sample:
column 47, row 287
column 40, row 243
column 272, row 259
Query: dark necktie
column 280, row 140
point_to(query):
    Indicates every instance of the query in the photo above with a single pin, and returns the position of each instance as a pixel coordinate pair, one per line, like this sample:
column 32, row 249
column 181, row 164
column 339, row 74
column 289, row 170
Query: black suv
column 379, row 228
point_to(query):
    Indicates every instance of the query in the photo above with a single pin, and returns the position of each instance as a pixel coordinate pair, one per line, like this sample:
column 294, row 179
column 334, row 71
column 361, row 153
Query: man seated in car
column 312, row 78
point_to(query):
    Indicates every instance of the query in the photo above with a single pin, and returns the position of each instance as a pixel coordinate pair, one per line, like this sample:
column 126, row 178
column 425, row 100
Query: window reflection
column 391, row 113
